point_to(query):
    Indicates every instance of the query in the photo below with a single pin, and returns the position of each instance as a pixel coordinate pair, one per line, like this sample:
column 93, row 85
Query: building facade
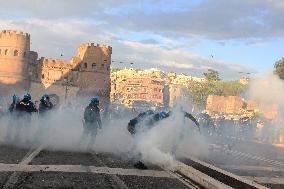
column 87, row 73
column 15, row 58
column 152, row 85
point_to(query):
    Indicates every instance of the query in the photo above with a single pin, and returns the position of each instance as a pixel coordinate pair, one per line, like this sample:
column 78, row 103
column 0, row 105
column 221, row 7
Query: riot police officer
column 45, row 104
column 25, row 106
column 92, row 120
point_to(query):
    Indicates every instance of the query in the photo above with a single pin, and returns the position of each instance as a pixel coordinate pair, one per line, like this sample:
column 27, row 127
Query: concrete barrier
column 223, row 176
column 200, row 178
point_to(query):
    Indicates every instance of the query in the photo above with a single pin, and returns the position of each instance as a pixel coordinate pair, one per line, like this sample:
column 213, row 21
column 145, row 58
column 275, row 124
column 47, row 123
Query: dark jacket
column 25, row 106
column 44, row 107
column 189, row 116
column 92, row 116
column 148, row 121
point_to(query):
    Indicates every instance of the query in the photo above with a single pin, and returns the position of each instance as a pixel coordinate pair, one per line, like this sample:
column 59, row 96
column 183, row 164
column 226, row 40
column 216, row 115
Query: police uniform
column 92, row 119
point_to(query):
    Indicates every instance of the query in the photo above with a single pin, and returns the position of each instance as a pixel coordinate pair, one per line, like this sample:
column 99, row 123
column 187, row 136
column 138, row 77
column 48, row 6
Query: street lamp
column 66, row 87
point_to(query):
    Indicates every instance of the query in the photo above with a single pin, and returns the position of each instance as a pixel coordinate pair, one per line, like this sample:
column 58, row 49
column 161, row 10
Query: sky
column 234, row 37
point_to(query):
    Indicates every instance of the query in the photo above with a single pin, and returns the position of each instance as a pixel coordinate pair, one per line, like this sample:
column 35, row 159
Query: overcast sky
column 180, row 35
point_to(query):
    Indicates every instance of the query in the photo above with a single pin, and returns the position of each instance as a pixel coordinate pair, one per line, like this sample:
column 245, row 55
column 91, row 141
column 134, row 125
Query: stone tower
column 14, row 59
column 93, row 64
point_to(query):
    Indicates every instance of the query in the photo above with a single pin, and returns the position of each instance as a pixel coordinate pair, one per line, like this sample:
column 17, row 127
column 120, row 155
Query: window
column 6, row 52
column 108, row 68
column 94, row 65
column 137, row 89
column 42, row 76
column 144, row 96
column 102, row 65
column 85, row 65
column 16, row 53
column 145, row 89
column 155, row 89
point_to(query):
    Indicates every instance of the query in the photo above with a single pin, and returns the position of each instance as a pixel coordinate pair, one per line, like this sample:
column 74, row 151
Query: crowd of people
column 249, row 128
column 23, row 109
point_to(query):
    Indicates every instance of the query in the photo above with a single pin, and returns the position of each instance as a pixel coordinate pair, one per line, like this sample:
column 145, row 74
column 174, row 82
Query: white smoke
column 170, row 139
column 268, row 92
column 62, row 129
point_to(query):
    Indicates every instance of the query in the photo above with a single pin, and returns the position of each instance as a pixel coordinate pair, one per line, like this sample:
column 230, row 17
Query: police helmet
column 45, row 97
column 149, row 112
column 94, row 100
column 27, row 96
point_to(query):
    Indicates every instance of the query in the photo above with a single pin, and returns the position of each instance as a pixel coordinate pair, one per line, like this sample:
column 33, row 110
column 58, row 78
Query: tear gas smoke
column 62, row 129
column 170, row 139
column 268, row 92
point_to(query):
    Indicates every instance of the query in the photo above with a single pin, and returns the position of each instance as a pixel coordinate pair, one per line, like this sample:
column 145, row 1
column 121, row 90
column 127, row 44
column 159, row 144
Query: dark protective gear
column 45, row 105
column 92, row 121
column 25, row 106
column 27, row 97
column 133, row 123
column 94, row 100
column 152, row 119
column 44, row 97
column 163, row 115
column 92, row 115
column 149, row 112
column 189, row 116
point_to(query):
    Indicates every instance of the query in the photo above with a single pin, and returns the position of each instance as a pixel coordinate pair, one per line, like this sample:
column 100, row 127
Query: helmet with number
column 94, row 100
column 27, row 96
column 45, row 97
column 163, row 115
column 149, row 112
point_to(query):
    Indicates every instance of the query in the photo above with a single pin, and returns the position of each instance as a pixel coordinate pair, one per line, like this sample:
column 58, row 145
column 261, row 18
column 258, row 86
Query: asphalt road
column 39, row 168
column 258, row 161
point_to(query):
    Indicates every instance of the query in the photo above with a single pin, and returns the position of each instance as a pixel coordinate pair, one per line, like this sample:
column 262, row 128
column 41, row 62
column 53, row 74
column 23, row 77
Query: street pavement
column 40, row 168
column 262, row 162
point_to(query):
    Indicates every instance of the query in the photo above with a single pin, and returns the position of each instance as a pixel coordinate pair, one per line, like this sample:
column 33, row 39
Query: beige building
column 15, row 58
column 224, row 104
column 174, row 85
column 87, row 73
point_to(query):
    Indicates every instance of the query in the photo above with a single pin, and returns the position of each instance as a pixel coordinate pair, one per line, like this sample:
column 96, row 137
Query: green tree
column 279, row 68
column 212, row 75
column 115, row 69
column 199, row 91
column 229, row 88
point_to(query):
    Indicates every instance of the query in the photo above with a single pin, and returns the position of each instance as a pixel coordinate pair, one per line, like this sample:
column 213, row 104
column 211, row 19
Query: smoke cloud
column 62, row 129
column 268, row 92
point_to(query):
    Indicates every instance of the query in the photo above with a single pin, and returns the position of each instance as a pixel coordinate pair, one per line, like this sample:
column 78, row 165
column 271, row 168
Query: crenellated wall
column 87, row 74
column 94, row 68
column 14, row 58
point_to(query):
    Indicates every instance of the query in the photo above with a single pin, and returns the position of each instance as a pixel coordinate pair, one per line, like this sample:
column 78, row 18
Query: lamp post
column 66, row 87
